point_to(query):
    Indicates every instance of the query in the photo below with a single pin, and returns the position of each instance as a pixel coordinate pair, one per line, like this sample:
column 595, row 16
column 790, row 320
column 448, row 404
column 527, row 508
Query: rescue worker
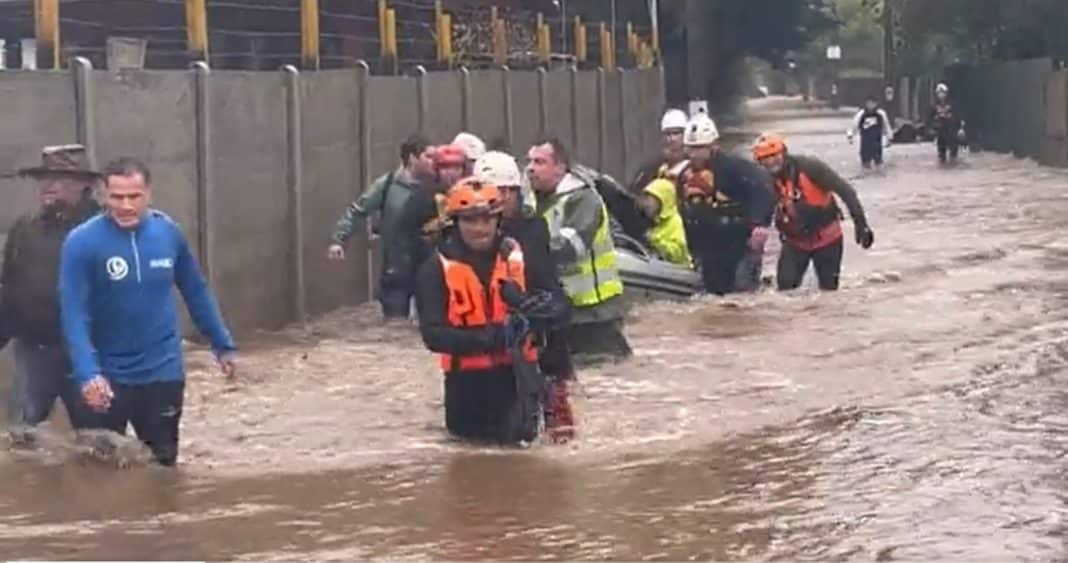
column 672, row 159
column 727, row 209
column 29, row 300
column 582, row 247
column 470, row 298
column 424, row 214
column 874, row 127
column 473, row 147
column 667, row 237
column 530, row 231
column 947, row 125
column 383, row 203
column 807, row 216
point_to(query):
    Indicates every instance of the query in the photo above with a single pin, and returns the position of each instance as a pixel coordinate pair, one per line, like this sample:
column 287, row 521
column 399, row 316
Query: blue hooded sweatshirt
column 117, row 303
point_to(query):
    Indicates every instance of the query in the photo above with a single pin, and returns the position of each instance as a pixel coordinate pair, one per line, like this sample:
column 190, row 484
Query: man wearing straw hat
column 29, row 304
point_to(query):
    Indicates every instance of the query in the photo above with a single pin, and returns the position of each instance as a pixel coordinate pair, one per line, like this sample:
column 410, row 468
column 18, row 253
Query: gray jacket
column 387, row 196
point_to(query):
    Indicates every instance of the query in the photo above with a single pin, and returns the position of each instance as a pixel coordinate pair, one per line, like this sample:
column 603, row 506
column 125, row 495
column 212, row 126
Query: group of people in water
column 512, row 271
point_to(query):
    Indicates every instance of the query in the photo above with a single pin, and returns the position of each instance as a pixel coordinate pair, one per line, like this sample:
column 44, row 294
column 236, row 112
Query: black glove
column 865, row 236
column 516, row 328
column 511, row 293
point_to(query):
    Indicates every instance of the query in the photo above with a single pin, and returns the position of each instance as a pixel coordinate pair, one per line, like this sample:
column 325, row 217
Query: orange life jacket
column 471, row 306
column 699, row 191
column 808, row 216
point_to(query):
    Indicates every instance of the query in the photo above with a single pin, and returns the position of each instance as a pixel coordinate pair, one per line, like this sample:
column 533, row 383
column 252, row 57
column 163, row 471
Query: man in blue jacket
column 116, row 278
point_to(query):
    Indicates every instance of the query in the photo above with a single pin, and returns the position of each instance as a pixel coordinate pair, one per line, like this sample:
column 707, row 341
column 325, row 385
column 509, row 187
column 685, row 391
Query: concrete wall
column 1055, row 140
column 245, row 163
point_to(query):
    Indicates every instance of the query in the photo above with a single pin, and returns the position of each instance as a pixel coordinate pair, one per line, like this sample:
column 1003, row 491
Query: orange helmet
column 450, row 155
column 471, row 197
column 769, row 144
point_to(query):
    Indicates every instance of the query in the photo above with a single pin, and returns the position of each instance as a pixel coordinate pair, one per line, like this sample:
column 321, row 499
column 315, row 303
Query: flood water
column 919, row 413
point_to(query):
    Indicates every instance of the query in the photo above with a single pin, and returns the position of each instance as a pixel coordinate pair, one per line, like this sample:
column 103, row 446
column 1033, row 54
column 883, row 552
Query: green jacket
column 668, row 234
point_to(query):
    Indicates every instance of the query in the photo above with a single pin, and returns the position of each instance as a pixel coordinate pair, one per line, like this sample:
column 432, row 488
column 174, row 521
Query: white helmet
column 473, row 146
column 499, row 169
column 673, row 119
column 701, row 131
column 941, row 88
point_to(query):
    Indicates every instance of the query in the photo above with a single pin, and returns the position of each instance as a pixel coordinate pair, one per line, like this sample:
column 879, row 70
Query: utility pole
column 889, row 43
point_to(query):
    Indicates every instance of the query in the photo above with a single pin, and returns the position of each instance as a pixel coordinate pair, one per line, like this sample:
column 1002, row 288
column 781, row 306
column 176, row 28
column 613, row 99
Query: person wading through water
column 29, row 300
column 471, row 294
column 520, row 222
column 807, row 217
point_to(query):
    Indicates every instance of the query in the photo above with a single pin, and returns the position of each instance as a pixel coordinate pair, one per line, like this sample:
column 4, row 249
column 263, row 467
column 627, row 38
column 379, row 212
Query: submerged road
column 919, row 413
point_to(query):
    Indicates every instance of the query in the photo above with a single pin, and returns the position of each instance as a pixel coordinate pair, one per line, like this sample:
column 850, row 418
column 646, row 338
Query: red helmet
column 471, row 197
column 450, row 155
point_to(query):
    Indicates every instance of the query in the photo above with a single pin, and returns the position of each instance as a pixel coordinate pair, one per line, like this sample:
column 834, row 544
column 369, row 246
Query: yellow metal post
column 391, row 32
column 389, row 59
column 438, row 20
column 580, row 40
column 546, row 43
column 446, row 39
column 500, row 40
column 606, row 48
column 196, row 29
column 47, row 26
column 383, row 46
column 309, row 34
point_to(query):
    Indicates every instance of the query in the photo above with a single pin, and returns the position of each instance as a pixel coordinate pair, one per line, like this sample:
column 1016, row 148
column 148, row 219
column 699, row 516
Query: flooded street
column 919, row 413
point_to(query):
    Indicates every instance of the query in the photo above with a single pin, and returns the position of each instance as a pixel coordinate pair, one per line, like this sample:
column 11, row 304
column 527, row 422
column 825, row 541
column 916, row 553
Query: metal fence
column 256, row 166
column 267, row 34
column 1007, row 105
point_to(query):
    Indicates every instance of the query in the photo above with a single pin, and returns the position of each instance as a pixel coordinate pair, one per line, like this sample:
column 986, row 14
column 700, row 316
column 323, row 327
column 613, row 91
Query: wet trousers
column 720, row 256
column 793, row 263
column 871, row 151
column 747, row 278
column 42, row 375
column 603, row 340
column 947, row 146
column 154, row 410
column 483, row 406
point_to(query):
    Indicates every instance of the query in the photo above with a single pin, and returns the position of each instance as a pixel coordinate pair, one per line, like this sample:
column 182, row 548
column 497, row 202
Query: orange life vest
column 470, row 305
column 699, row 191
column 808, row 216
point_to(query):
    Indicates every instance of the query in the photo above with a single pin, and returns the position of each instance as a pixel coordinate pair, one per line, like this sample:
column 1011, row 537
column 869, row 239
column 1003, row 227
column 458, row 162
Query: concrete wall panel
column 40, row 112
column 651, row 108
column 632, row 123
column 525, row 111
column 445, row 118
column 151, row 115
column 332, row 178
column 588, row 123
column 614, row 126
column 558, row 92
column 250, row 212
column 487, row 104
column 394, row 116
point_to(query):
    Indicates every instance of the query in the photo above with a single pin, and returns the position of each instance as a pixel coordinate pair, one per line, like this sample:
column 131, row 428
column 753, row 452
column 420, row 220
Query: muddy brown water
column 916, row 414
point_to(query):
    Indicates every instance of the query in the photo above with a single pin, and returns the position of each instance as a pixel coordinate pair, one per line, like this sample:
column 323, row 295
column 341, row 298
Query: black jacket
column 747, row 183
column 532, row 234
column 29, row 299
column 433, row 301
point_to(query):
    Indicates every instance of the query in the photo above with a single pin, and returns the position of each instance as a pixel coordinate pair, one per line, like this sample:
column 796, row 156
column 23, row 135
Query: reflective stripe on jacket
column 582, row 243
